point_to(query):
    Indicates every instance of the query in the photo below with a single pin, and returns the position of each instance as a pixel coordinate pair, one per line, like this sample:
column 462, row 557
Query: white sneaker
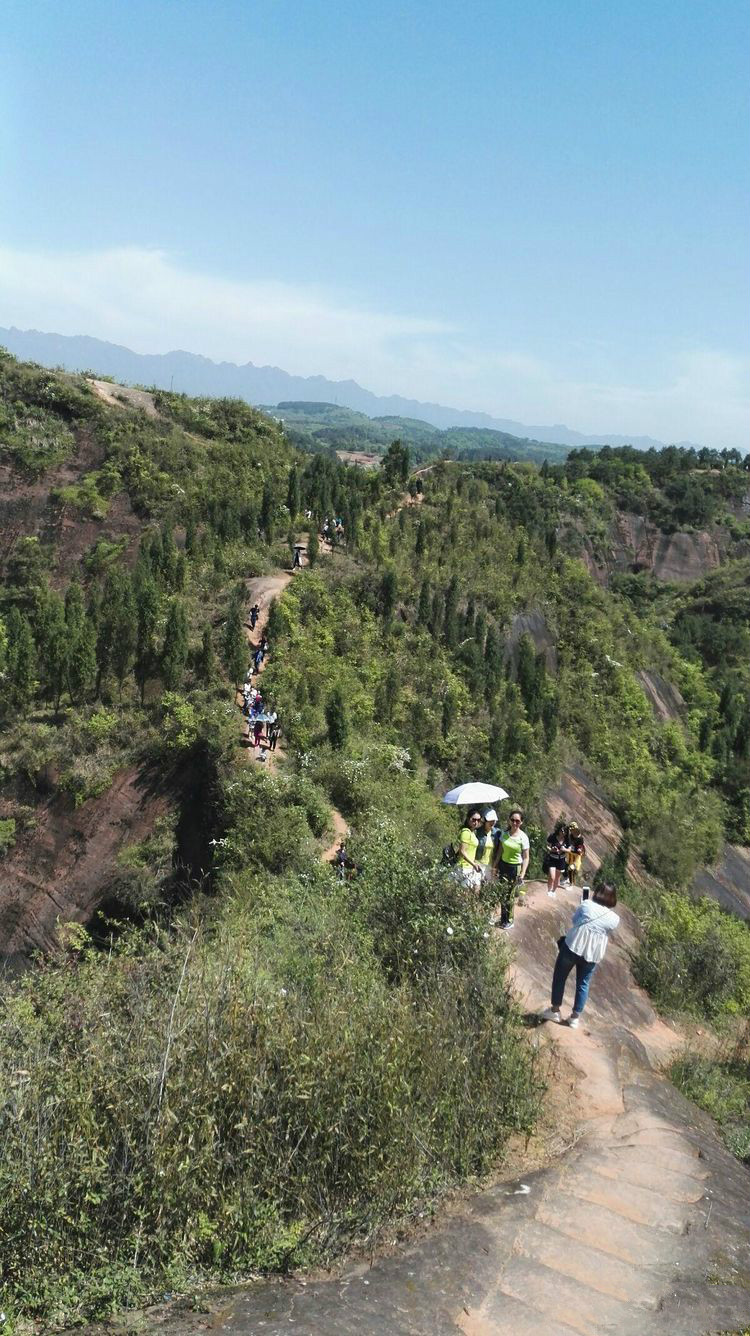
column 574, row 1021
column 506, row 927
column 552, row 894
column 551, row 1014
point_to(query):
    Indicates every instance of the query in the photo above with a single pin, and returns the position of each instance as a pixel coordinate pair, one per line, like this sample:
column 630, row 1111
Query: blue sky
column 539, row 209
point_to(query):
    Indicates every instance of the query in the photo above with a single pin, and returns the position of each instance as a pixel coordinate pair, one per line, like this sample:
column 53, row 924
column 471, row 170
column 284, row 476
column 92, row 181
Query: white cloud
column 148, row 301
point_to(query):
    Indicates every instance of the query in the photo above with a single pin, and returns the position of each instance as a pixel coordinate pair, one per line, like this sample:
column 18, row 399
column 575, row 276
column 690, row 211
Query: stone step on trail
column 590, row 1267
column 672, row 1185
column 588, row 1225
column 555, row 1296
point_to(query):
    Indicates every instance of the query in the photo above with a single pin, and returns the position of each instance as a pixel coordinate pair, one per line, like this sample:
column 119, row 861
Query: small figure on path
column 257, row 732
column 582, row 949
column 554, row 862
column 297, row 563
column 575, row 852
column 254, row 615
column 274, row 735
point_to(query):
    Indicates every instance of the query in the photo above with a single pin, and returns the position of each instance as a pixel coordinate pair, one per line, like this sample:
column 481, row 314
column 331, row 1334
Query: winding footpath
column 640, row 1226
column 263, row 590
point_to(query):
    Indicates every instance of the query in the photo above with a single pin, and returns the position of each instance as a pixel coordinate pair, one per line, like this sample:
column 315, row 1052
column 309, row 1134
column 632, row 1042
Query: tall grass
column 250, row 1090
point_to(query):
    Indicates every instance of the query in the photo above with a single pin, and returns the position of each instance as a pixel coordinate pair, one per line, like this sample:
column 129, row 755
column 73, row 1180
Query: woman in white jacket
column 582, row 948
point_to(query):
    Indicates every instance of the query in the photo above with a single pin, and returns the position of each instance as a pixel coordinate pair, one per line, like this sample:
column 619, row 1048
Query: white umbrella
column 467, row 794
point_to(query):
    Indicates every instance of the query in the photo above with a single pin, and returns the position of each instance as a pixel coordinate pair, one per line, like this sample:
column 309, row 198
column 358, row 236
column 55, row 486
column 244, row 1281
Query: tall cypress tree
column 233, row 644
column 20, row 663
column 205, row 664
column 423, row 608
column 81, row 665
column 337, row 722
column 175, row 650
column 147, row 610
column 293, row 494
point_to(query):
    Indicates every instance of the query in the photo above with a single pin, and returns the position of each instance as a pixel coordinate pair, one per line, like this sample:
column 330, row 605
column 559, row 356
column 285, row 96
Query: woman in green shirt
column 512, row 860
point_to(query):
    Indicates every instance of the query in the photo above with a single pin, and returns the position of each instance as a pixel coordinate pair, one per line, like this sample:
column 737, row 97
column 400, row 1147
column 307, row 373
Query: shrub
column 260, row 1094
column 694, row 957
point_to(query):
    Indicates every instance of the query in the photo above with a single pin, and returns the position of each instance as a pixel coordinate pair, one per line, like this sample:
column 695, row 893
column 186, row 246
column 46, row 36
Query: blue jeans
column 566, row 959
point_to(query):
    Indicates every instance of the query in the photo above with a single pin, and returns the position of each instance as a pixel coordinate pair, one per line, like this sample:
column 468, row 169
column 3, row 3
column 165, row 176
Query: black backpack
column 450, row 855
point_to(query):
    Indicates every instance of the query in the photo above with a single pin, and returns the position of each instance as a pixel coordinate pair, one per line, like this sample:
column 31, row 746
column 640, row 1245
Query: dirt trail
column 640, row 1227
column 263, row 590
column 122, row 396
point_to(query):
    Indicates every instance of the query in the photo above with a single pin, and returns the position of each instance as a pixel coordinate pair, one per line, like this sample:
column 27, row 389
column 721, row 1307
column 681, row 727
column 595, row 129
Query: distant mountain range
column 193, row 374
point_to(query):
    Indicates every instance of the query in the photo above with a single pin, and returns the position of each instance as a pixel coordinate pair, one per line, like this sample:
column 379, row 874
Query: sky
column 539, row 210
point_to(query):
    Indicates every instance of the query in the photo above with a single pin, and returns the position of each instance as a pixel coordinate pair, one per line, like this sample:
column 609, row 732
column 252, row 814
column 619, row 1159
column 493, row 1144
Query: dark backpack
column 450, row 855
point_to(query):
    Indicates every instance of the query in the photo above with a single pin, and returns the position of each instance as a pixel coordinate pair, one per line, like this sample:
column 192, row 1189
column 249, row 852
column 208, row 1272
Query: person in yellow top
column 468, row 840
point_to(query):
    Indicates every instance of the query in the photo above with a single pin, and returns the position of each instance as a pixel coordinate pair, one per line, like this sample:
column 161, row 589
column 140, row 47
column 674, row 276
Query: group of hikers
column 256, row 709
column 489, row 852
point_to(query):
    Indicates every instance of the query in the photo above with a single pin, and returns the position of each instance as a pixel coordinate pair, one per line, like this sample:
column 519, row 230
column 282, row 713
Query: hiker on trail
column 486, row 845
column 271, row 717
column 264, row 645
column 582, row 948
column 511, row 862
column 467, row 863
column 257, row 732
column 258, row 659
column 254, row 615
column 274, row 735
column 554, row 861
column 297, row 563
column 575, row 852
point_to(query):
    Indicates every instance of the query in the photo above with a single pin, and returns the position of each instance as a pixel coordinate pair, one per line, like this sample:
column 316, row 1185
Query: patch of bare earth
column 121, row 396
column 62, row 870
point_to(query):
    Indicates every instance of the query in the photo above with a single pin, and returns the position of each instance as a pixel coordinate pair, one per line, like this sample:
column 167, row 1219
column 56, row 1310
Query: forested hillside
column 290, row 1061
column 320, row 427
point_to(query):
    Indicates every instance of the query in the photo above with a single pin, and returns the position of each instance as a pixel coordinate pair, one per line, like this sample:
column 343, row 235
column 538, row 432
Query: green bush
column 694, row 957
column 722, row 1088
column 260, row 1094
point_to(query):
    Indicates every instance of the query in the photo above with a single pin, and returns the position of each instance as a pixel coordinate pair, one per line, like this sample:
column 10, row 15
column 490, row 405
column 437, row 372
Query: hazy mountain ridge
column 193, row 374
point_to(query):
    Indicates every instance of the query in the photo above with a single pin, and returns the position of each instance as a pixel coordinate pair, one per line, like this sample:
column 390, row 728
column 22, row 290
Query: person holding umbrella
column 473, row 795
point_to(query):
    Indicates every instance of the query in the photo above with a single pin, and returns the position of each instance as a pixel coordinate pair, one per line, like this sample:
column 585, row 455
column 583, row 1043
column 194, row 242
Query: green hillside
column 321, row 426
column 292, row 1064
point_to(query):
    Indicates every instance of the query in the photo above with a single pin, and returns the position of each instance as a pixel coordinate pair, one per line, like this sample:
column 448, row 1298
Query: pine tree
column 336, row 720
column 191, row 536
column 74, row 609
column 450, row 621
column 493, row 663
column 388, row 594
column 419, row 543
column 123, row 620
column 293, row 502
column 266, row 514
column 147, row 611
column 550, row 713
column 20, row 659
column 423, row 609
column 168, row 562
column 313, row 545
column 233, row 644
column 175, row 650
column 205, row 663
column 81, row 666
column 53, row 642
